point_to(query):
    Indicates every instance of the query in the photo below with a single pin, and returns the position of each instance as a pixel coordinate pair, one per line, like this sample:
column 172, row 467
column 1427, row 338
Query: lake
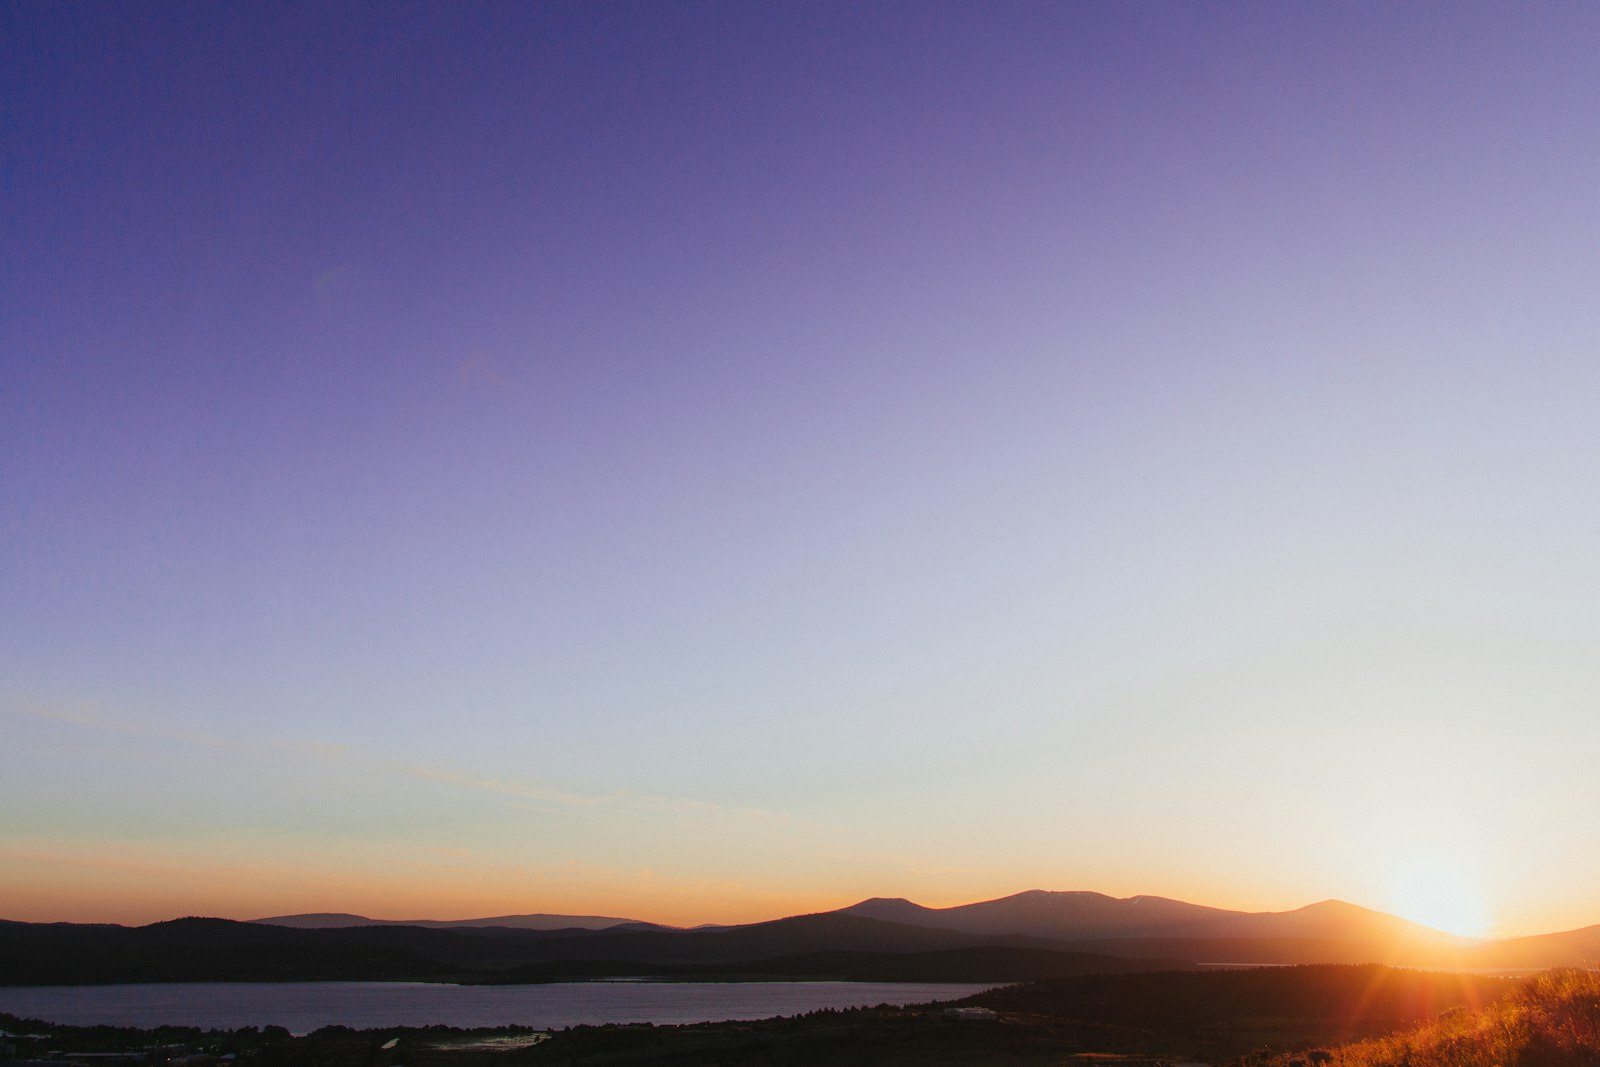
column 306, row 1006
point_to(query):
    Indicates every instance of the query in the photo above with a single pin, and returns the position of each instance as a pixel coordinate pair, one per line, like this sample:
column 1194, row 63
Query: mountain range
column 329, row 920
column 1028, row 935
column 1144, row 927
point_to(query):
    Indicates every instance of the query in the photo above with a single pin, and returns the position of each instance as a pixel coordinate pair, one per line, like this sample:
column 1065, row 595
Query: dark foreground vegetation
column 1552, row 1020
column 1314, row 1016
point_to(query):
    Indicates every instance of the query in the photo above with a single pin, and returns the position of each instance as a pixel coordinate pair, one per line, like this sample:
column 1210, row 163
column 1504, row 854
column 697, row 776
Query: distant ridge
column 1026, row 935
column 1073, row 915
column 1331, row 931
column 333, row 920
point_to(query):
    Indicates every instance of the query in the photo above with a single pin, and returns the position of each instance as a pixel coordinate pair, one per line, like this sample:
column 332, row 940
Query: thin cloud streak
column 619, row 799
column 95, row 715
column 520, row 790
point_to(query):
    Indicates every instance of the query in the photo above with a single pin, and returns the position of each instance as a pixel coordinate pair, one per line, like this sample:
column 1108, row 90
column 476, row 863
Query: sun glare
column 1438, row 897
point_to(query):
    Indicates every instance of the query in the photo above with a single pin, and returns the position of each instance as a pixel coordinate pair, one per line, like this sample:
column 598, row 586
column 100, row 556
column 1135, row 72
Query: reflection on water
column 305, row 1006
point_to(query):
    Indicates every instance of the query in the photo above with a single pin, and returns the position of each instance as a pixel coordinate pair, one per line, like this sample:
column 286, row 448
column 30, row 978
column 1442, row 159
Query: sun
column 1438, row 896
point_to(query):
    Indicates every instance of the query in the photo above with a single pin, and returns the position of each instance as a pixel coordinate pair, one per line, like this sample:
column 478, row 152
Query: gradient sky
column 707, row 461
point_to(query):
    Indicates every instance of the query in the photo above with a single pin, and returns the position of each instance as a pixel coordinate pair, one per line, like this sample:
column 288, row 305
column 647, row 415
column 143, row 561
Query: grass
column 1552, row 1020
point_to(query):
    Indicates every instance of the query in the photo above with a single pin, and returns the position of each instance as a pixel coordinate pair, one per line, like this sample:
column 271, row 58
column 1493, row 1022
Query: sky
column 703, row 462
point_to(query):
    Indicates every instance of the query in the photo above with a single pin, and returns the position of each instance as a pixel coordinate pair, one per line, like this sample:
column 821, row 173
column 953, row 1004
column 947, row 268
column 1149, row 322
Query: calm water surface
column 305, row 1006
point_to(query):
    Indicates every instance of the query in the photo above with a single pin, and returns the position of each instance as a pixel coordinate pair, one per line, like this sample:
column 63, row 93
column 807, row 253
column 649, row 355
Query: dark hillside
column 212, row 950
column 194, row 950
column 1349, row 999
column 828, row 932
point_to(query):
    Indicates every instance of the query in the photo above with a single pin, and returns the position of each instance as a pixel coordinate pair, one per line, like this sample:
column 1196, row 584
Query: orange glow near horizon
column 1429, row 897
column 119, row 882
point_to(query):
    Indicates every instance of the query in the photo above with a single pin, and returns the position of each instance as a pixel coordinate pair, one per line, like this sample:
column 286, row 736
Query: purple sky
column 703, row 460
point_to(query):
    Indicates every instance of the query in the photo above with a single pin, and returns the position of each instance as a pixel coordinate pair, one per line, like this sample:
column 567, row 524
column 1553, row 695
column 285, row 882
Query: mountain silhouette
column 323, row 920
column 1076, row 916
column 1024, row 935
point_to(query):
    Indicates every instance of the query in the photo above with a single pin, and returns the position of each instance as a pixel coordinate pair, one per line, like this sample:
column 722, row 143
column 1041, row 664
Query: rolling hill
column 1144, row 926
column 1080, row 916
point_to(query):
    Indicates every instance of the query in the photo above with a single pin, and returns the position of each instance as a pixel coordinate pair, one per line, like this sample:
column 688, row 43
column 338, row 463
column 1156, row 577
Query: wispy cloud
column 520, row 790
column 323, row 749
column 92, row 715
column 619, row 799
